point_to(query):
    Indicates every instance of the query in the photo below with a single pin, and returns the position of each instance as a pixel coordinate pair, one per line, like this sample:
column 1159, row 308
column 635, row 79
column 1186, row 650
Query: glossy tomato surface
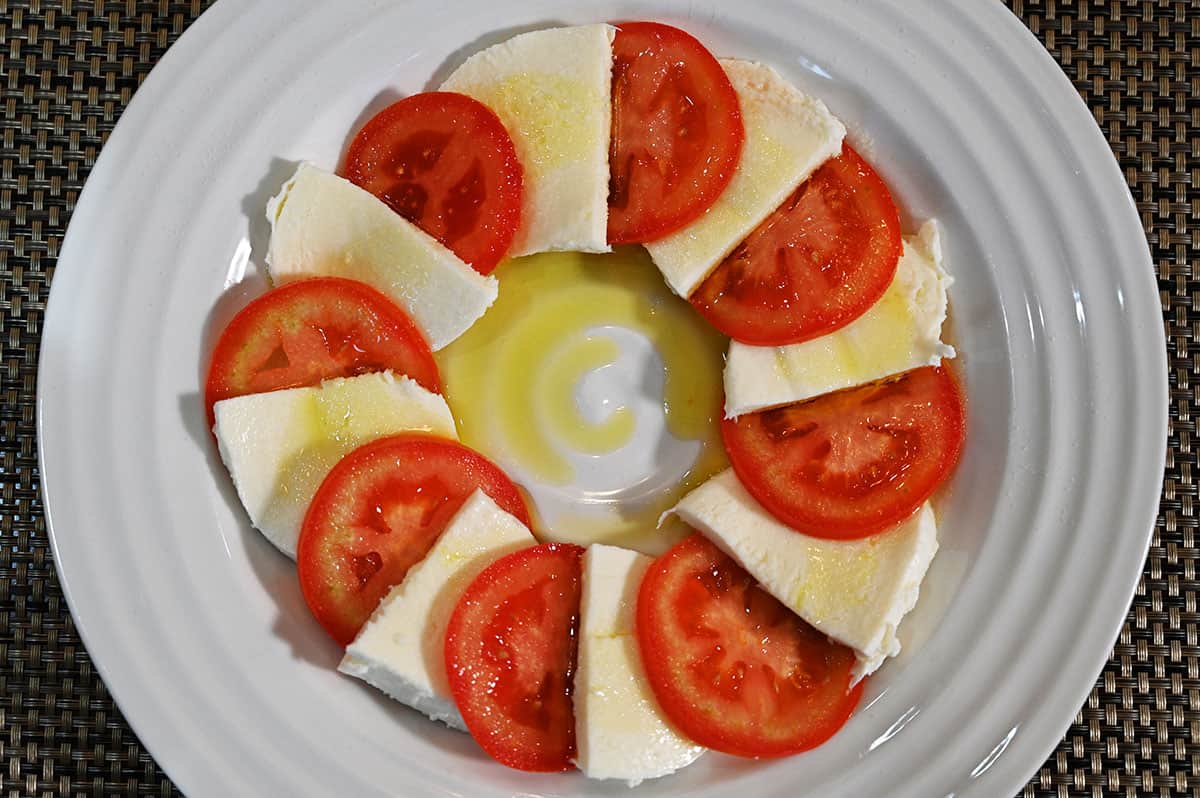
column 378, row 513
column 820, row 261
column 853, row 463
column 733, row 668
column 313, row 330
column 677, row 132
column 445, row 162
column 510, row 656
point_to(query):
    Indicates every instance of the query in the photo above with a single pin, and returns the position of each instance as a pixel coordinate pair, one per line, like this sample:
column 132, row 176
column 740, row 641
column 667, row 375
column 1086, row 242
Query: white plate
column 197, row 625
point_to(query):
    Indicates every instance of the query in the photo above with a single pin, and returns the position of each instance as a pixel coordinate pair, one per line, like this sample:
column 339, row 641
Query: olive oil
column 554, row 397
column 514, row 382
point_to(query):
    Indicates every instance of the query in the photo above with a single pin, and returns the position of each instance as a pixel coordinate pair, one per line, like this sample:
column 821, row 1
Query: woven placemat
column 69, row 68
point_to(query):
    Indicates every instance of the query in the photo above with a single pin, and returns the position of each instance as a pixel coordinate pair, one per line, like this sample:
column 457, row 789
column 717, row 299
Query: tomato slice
column 820, row 261
column 676, row 132
column 445, row 162
column 733, row 668
column 510, row 656
column 377, row 513
column 853, row 463
column 313, row 330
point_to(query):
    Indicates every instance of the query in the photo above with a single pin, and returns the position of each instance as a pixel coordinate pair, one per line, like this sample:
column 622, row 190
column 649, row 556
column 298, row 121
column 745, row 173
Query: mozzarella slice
column 855, row 591
column 324, row 225
column 620, row 732
column 401, row 648
column 551, row 89
column 279, row 446
column 788, row 135
column 902, row 331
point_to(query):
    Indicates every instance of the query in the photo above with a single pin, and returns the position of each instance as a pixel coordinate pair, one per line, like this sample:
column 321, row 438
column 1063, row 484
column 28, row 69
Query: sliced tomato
column 510, row 656
column 853, row 463
column 445, row 162
column 313, row 330
column 676, row 132
column 820, row 261
column 733, row 668
column 378, row 513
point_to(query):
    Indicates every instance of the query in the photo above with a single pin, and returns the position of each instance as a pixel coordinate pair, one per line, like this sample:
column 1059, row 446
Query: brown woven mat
column 69, row 68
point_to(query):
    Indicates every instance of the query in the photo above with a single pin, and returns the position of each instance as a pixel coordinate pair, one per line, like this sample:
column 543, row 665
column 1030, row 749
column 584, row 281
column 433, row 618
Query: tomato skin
column 731, row 667
column 445, row 162
column 677, row 132
column 378, row 512
column 510, row 655
column 817, row 263
column 855, row 463
column 312, row 330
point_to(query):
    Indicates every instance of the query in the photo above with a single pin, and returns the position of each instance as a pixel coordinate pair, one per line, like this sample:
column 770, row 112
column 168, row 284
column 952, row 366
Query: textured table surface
column 69, row 68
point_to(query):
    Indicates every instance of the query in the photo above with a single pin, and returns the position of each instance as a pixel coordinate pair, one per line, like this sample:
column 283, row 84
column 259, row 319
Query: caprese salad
column 421, row 557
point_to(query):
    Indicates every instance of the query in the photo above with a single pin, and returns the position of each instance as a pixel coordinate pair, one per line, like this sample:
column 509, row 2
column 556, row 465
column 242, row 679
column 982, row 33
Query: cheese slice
column 902, row 331
column 620, row 731
column 855, row 591
column 400, row 650
column 279, row 446
column 551, row 89
column 324, row 225
column 788, row 136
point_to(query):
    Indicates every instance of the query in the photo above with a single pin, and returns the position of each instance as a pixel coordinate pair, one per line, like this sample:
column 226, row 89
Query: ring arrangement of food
column 385, row 427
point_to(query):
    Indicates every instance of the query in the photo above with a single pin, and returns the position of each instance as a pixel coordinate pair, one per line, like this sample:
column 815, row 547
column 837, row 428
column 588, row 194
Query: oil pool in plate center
column 598, row 390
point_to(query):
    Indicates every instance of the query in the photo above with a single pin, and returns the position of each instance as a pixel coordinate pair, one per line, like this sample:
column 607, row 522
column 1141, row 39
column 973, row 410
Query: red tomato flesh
column 378, row 513
column 733, row 668
column 510, row 656
column 853, row 463
column 445, row 162
column 820, row 261
column 313, row 330
column 676, row 132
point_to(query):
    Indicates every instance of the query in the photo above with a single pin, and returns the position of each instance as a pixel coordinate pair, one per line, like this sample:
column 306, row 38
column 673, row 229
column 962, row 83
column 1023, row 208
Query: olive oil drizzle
column 513, row 379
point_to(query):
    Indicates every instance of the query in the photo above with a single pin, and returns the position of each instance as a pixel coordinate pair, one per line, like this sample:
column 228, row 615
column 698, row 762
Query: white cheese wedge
column 788, row 136
column 620, row 731
column 551, row 89
column 279, row 446
column 401, row 648
column 902, row 331
column 324, row 225
column 855, row 591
